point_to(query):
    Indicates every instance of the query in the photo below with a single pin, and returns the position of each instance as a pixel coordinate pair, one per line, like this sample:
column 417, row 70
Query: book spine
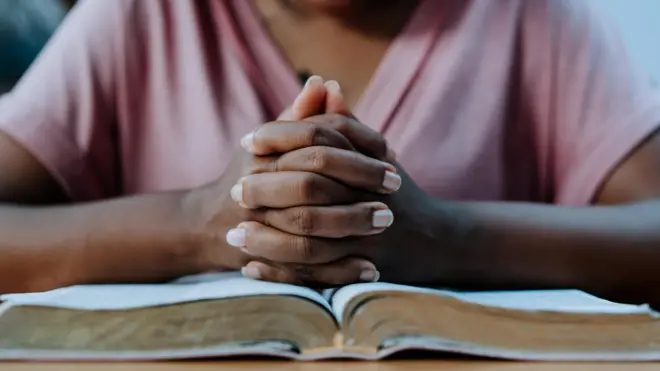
column 338, row 349
column 338, row 341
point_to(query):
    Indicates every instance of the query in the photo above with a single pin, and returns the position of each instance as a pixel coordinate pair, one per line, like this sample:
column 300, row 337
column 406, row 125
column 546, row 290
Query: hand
column 329, row 160
column 321, row 246
column 320, row 254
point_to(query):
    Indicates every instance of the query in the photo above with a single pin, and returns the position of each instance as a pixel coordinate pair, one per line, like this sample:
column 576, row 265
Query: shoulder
column 129, row 30
column 565, row 34
column 145, row 13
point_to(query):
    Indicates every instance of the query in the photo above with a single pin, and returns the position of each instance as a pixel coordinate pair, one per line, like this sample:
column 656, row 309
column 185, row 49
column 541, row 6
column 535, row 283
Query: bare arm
column 611, row 249
column 42, row 247
column 162, row 236
column 62, row 112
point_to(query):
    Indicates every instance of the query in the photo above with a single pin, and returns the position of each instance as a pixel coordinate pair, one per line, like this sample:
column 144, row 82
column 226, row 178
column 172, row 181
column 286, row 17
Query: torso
column 325, row 47
column 440, row 92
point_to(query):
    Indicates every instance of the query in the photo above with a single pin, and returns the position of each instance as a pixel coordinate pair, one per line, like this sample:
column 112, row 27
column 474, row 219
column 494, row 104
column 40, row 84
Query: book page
column 187, row 289
column 572, row 301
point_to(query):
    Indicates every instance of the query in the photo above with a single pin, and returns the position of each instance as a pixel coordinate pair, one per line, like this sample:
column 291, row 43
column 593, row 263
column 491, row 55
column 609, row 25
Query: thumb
column 335, row 102
column 310, row 101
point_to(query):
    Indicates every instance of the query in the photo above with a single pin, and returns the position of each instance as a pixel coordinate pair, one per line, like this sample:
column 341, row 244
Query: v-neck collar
column 388, row 86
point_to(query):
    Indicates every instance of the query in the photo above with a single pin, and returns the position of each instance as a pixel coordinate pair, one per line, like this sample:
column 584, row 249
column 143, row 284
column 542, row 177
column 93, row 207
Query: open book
column 227, row 315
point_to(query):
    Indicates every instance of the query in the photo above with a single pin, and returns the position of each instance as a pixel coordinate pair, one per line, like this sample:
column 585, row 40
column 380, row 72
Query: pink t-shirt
column 484, row 100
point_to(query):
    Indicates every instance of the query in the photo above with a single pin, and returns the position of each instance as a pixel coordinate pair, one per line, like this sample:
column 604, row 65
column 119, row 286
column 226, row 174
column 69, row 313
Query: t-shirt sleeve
column 590, row 104
column 63, row 109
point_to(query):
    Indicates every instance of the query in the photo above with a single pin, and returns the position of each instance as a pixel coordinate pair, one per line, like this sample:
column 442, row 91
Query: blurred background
column 26, row 25
column 639, row 21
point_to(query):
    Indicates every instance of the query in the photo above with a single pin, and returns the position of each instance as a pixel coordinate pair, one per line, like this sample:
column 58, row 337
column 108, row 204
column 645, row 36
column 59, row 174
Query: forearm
column 612, row 251
column 133, row 239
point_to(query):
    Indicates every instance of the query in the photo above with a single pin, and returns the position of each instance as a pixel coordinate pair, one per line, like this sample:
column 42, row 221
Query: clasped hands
column 316, row 199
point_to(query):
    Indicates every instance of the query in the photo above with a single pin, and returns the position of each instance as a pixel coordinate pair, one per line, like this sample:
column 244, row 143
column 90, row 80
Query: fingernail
column 314, row 80
column 298, row 107
column 369, row 272
column 369, row 275
column 333, row 87
column 237, row 193
column 251, row 272
column 236, row 237
column 248, row 142
column 392, row 182
column 382, row 218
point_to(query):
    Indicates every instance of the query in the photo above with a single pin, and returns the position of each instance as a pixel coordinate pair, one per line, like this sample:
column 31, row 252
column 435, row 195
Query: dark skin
column 162, row 236
column 604, row 249
column 611, row 248
column 339, row 40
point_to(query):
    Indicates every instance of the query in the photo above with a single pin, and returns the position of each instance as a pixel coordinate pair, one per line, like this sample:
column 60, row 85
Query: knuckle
column 304, row 249
column 304, row 221
column 271, row 165
column 319, row 158
column 304, row 273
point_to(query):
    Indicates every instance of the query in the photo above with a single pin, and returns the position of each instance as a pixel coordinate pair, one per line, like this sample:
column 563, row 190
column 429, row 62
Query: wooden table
column 459, row 365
